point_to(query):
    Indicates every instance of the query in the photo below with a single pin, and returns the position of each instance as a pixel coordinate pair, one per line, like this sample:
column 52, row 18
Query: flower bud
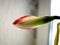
column 31, row 22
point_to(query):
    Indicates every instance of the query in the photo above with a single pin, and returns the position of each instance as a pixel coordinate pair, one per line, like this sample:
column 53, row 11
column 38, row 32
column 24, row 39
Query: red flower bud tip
column 19, row 19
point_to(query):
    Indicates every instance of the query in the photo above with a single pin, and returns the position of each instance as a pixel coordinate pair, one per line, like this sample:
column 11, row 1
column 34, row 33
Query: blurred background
column 12, row 9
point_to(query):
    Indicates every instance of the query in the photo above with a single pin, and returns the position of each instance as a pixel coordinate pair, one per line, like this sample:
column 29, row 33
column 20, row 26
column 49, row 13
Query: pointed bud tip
column 20, row 19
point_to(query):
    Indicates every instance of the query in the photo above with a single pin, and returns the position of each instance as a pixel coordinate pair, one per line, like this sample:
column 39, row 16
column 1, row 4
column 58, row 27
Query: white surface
column 10, row 35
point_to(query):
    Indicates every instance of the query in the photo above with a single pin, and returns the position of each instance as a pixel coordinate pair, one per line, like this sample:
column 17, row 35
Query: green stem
column 57, row 35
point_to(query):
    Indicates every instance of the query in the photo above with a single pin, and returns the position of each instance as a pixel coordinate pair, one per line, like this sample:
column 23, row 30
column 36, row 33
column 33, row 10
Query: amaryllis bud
column 30, row 22
column 24, row 22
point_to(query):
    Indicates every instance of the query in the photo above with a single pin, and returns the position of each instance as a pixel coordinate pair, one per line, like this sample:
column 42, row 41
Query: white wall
column 10, row 35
